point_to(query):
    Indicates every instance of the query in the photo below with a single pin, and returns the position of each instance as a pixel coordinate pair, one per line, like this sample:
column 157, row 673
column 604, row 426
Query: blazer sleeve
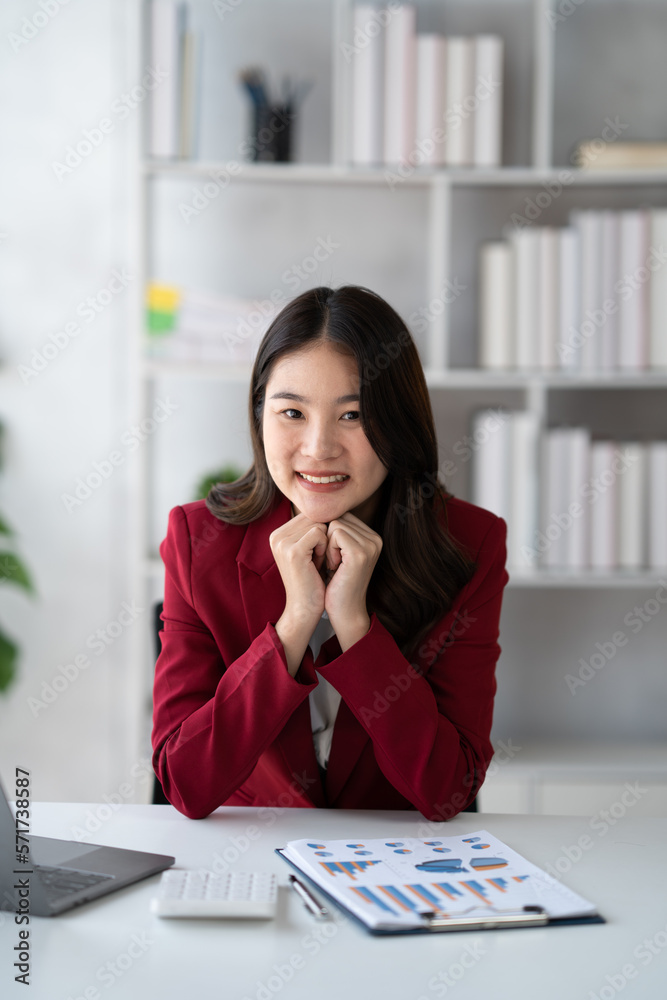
column 430, row 721
column 211, row 720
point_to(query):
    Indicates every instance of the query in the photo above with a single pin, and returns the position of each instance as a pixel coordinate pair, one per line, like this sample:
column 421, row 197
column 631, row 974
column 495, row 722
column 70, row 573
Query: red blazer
column 232, row 727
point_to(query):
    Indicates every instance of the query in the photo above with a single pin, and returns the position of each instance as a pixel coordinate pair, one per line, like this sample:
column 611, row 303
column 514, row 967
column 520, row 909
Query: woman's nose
column 321, row 440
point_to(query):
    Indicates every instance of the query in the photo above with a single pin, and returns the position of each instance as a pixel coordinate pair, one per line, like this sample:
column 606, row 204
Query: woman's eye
column 351, row 414
column 290, row 412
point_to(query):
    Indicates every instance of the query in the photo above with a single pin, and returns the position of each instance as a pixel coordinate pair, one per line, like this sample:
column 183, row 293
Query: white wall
column 63, row 238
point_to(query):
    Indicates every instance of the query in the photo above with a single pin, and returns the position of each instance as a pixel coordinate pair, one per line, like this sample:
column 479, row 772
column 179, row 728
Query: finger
column 354, row 524
column 333, row 555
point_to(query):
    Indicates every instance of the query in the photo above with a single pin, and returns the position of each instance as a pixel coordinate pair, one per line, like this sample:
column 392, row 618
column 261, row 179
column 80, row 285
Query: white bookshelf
column 460, row 208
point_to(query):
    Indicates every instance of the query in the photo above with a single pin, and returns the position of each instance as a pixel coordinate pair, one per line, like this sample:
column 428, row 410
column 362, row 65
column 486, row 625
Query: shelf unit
column 456, row 221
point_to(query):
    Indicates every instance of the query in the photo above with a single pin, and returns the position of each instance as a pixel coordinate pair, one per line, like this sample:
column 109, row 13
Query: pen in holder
column 272, row 133
column 272, row 121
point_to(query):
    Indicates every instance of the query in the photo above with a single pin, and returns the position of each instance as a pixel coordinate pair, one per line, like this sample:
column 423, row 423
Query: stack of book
column 423, row 99
column 596, row 154
column 571, row 502
column 591, row 296
column 192, row 325
column 175, row 51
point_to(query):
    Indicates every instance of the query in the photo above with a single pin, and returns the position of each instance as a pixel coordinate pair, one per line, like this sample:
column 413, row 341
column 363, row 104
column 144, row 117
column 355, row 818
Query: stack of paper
column 588, row 297
column 422, row 99
column 192, row 325
column 392, row 884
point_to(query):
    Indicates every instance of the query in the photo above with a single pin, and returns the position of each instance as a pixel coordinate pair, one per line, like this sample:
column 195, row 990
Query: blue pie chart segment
column 442, row 865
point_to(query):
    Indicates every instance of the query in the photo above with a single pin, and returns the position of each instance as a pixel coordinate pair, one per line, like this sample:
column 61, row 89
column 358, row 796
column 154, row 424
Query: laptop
column 62, row 874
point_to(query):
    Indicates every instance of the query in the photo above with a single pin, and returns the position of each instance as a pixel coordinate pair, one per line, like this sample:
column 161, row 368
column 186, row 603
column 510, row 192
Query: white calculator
column 199, row 893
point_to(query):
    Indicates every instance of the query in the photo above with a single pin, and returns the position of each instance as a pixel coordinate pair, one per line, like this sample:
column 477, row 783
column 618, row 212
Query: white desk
column 116, row 948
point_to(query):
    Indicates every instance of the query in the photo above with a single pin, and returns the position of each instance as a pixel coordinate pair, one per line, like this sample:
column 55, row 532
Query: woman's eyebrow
column 351, row 398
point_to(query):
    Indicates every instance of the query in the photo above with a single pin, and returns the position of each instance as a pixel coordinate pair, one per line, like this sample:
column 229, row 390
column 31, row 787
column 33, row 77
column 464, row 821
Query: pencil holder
column 272, row 133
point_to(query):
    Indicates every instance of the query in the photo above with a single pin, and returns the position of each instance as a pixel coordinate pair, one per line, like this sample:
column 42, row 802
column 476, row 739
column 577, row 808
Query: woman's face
column 312, row 428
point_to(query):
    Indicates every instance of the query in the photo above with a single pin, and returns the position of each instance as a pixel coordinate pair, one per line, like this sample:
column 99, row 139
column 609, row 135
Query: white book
column 632, row 507
column 658, row 288
column 491, row 463
column 522, row 523
column 633, row 289
column 167, row 24
column 496, row 314
column 400, row 85
column 575, row 524
column 657, row 498
column 190, row 100
column 600, row 495
column 588, row 224
column 431, row 79
column 553, row 513
column 569, row 280
column 525, row 245
column 609, row 263
column 488, row 115
column 367, row 89
column 547, row 297
column 460, row 92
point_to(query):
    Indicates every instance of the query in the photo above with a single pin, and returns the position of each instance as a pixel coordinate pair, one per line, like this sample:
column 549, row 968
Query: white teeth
column 323, row 479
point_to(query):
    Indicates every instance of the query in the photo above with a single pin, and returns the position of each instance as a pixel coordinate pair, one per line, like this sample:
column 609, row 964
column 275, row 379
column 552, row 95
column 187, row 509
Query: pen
column 312, row 904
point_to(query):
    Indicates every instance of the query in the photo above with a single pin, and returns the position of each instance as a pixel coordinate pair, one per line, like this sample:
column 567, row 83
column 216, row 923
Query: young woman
column 331, row 619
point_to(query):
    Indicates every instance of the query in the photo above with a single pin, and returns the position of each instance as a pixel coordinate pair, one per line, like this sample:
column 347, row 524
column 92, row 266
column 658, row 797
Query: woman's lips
column 322, row 487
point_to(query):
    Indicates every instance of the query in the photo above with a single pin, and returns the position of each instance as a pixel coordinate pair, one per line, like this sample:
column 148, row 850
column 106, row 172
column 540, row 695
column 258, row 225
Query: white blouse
column 324, row 699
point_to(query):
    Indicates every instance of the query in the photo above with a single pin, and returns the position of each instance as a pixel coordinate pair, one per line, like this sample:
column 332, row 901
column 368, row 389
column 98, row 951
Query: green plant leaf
column 228, row 474
column 13, row 571
column 8, row 657
column 4, row 527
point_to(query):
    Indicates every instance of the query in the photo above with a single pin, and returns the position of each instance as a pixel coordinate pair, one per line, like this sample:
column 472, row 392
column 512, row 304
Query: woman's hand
column 351, row 555
column 299, row 547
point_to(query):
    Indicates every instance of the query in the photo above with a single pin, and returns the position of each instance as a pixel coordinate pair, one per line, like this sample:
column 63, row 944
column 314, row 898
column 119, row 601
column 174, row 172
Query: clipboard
column 435, row 921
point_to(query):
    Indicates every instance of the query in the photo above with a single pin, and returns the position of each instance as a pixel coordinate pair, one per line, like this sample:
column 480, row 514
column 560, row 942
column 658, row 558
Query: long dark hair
column 420, row 569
